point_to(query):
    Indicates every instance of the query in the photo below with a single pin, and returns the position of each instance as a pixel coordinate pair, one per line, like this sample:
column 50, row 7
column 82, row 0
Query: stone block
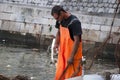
column 89, row 4
column 105, row 1
column 5, row 25
column 96, row 9
column 36, row 20
column 33, row 28
column 115, row 5
column 94, row 1
column 100, row 5
column 53, row 31
column 24, row 1
column 112, row 1
column 108, row 21
column 22, row 28
column 2, row 7
column 5, row 16
column 45, row 30
column 95, row 4
column 26, row 28
column 43, row 21
column 85, row 34
column 87, row 19
column 8, row 8
column 105, row 28
column 29, row 1
column 85, row 26
column 95, row 27
column 103, row 36
column 17, row 17
column 91, row 9
column 84, row 0
column 115, row 37
column 0, row 24
column 116, row 22
column 50, row 21
column 101, row 10
column 111, row 10
column 116, row 29
column 106, row 4
column 15, row 26
column 29, row 19
column 107, row 10
column 98, row 20
column 93, row 35
column 18, row 0
column 100, row 1
column 111, row 5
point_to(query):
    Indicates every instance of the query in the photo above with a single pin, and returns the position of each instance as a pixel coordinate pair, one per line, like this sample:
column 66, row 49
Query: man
column 68, row 40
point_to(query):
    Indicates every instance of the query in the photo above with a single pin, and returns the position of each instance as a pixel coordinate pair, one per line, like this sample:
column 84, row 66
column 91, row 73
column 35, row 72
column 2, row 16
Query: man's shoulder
column 74, row 19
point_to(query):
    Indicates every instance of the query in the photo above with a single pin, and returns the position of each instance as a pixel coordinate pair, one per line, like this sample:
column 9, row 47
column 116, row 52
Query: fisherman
column 69, row 43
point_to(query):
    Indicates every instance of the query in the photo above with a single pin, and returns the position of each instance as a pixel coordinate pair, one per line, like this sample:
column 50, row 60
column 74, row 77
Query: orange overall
column 66, row 45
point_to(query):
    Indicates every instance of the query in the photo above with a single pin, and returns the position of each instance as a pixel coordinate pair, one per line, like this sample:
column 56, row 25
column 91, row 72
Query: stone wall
column 33, row 16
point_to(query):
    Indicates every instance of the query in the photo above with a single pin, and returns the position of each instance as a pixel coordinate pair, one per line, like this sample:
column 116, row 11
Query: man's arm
column 77, row 40
column 57, row 40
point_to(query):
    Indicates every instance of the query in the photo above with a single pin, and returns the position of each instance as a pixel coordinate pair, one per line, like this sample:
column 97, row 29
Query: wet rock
column 19, row 77
column 3, row 77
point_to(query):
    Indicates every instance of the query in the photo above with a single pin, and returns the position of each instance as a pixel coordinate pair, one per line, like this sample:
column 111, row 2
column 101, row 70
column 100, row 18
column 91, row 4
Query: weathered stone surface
column 18, row 0
column 115, row 37
column 15, row 26
column 116, row 29
column 103, row 36
column 117, row 22
column 29, row 19
column 93, row 35
column 11, row 26
column 105, row 28
column 85, row 34
column 95, row 27
column 99, row 20
column 94, row 1
column 5, row 16
column 87, row 19
column 5, row 25
column 101, row 10
column 112, row 1
column 111, row 10
column 108, row 21
column 85, row 26
column 0, row 24
column 17, row 17
column 91, row 9
column 28, row 28
column 105, row 1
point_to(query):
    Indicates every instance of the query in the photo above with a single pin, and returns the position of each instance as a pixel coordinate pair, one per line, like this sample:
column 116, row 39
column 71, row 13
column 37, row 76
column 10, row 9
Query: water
column 22, row 61
column 36, row 64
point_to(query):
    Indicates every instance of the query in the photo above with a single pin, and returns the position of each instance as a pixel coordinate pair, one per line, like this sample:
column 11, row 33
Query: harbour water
column 35, row 63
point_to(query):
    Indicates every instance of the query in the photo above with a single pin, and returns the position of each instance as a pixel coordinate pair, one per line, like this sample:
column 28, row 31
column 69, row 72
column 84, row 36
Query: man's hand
column 70, row 60
column 55, row 48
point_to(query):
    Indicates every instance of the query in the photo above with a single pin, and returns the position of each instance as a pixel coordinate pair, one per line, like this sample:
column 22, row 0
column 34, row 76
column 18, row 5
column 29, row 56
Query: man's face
column 58, row 17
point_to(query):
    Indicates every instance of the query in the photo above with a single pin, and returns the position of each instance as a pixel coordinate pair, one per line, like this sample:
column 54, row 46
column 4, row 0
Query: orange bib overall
column 66, row 45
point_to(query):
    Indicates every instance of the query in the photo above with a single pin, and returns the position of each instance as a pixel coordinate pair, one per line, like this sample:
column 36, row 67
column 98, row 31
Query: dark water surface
column 29, row 62
column 36, row 64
